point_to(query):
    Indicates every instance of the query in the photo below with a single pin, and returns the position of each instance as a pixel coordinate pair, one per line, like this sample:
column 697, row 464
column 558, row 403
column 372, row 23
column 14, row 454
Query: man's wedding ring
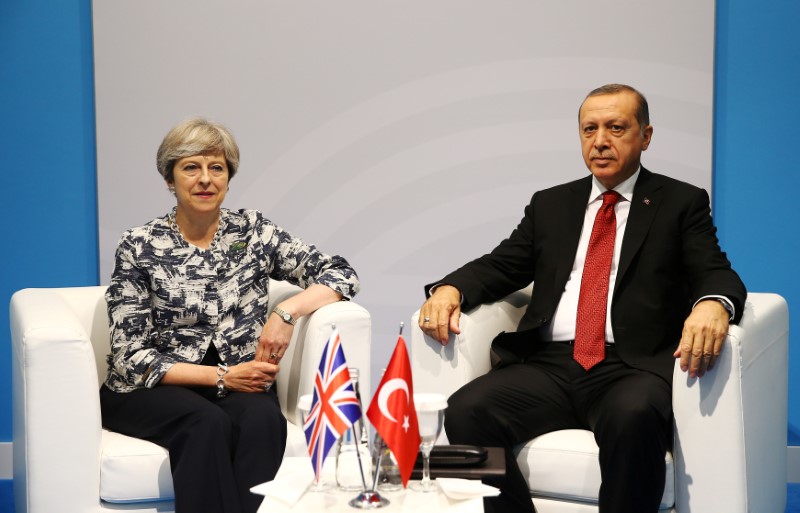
column 426, row 319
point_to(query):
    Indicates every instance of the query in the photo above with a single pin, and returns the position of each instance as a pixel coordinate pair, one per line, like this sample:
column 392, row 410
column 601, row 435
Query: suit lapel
column 570, row 226
column 646, row 201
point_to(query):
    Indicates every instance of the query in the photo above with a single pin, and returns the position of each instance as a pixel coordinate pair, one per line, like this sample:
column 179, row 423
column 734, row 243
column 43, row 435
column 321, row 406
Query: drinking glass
column 304, row 407
column 430, row 415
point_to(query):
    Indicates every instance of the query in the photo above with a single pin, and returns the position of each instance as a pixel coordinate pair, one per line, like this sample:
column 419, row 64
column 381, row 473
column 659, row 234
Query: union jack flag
column 334, row 406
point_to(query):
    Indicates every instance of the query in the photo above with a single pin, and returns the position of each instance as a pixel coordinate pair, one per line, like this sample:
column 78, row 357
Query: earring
column 171, row 189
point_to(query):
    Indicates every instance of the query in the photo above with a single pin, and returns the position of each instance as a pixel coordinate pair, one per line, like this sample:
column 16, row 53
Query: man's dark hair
column 642, row 112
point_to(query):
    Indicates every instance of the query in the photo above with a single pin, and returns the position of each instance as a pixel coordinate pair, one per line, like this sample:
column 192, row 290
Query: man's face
column 611, row 139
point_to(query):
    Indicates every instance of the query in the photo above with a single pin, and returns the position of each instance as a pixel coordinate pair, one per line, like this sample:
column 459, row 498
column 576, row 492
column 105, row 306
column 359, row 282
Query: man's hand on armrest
column 703, row 334
column 440, row 314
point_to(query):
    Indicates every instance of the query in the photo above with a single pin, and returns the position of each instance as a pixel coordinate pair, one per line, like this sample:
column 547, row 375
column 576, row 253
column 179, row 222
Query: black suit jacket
column 670, row 257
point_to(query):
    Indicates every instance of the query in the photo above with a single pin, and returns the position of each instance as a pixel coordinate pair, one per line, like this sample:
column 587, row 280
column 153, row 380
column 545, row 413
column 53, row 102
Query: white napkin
column 290, row 483
column 462, row 489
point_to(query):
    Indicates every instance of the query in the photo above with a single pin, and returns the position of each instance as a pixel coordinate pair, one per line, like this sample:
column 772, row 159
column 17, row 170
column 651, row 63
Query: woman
column 194, row 349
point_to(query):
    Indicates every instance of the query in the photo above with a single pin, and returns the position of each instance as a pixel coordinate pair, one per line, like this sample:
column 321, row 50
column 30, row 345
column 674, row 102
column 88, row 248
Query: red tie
column 590, row 326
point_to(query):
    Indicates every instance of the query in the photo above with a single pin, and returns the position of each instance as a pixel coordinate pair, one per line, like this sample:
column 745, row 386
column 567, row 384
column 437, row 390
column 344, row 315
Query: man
column 624, row 282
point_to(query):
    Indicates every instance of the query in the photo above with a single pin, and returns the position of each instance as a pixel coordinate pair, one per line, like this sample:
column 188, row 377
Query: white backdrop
column 406, row 136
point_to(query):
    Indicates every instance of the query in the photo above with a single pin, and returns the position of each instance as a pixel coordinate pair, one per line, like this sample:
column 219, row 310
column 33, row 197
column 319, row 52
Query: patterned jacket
column 169, row 300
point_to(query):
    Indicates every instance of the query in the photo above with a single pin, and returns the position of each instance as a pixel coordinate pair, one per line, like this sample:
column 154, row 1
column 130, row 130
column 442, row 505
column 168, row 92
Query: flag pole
column 358, row 456
column 355, row 436
column 380, row 452
column 377, row 469
column 370, row 499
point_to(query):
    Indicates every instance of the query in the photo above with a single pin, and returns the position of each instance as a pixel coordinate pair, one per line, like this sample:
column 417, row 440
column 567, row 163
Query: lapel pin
column 647, row 201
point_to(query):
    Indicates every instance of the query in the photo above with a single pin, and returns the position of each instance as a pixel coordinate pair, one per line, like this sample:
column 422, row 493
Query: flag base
column 368, row 500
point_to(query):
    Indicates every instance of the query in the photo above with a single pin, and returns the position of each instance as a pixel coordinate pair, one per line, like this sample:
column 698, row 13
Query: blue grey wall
column 47, row 140
column 756, row 179
column 47, row 153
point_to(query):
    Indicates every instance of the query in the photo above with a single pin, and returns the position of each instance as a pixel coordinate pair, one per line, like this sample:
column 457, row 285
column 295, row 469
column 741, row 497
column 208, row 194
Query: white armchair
column 730, row 426
column 63, row 460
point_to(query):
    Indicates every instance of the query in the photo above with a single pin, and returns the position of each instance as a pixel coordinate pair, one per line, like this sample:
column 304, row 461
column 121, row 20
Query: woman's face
column 200, row 182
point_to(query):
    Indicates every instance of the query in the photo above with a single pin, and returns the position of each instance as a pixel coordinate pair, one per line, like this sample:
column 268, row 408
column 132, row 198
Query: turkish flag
column 392, row 411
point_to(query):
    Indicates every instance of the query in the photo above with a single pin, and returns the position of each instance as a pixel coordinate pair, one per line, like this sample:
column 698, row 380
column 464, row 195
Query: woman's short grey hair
column 196, row 136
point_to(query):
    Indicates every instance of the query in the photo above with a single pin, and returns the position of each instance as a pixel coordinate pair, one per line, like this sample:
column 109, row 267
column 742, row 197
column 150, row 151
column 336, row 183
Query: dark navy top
column 168, row 300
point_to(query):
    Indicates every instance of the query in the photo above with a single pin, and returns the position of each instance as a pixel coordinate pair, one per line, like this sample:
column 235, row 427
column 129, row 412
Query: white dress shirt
column 562, row 326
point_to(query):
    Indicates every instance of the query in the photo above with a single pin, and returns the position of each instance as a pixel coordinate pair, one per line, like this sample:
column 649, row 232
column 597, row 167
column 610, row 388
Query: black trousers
column 218, row 447
column 628, row 410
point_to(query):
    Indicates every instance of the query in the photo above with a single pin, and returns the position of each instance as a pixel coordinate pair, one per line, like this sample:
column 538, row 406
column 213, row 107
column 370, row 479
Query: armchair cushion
column 564, row 465
column 133, row 470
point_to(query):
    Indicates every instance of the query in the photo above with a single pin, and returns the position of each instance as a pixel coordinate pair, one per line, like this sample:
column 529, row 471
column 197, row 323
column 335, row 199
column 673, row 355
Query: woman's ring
column 426, row 319
column 267, row 387
column 272, row 356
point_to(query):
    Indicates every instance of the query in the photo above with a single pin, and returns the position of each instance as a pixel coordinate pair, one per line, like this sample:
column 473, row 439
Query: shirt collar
column 625, row 189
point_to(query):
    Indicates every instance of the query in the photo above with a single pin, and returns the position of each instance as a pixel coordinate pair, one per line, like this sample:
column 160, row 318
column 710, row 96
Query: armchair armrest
column 300, row 363
column 730, row 425
column 445, row 369
column 54, row 384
